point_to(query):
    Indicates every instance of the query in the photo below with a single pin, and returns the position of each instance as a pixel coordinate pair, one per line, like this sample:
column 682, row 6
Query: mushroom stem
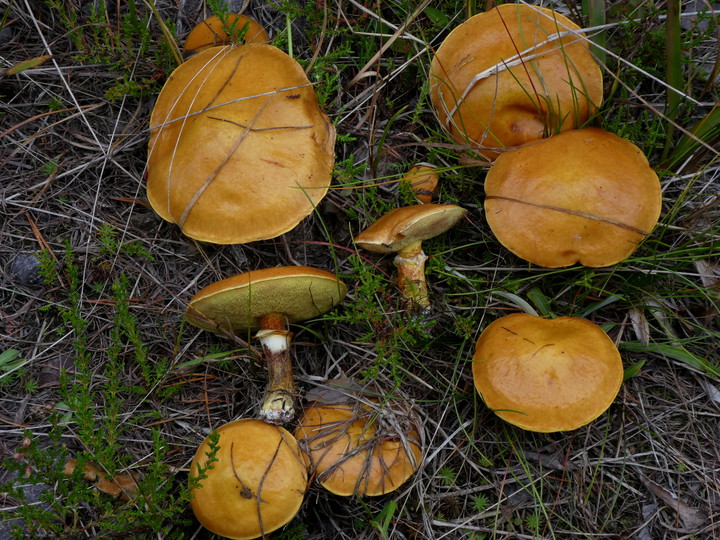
column 410, row 263
column 279, row 402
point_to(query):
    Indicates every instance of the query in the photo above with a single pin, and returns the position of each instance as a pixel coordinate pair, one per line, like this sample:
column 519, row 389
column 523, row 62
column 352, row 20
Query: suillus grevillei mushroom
column 402, row 231
column 546, row 375
column 268, row 300
column 423, row 181
column 239, row 149
column 255, row 484
column 583, row 196
column 211, row 33
column 512, row 75
column 359, row 445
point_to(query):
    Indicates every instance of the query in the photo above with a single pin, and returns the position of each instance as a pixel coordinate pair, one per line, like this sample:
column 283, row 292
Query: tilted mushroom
column 239, row 149
column 512, row 75
column 257, row 483
column 357, row 445
column 423, row 181
column 268, row 300
column 402, row 231
column 546, row 375
column 211, row 33
column 584, row 196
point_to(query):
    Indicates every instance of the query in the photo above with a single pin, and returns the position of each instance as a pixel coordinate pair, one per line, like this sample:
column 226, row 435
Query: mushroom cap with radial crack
column 584, row 196
column 423, row 181
column 210, row 33
column 239, row 302
column 486, row 96
column 257, row 484
column 239, row 149
column 546, row 375
column 360, row 447
column 404, row 226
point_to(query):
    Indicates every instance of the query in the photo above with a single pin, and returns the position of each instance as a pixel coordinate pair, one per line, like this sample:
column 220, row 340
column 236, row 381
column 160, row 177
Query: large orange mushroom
column 546, row 375
column 239, row 149
column 357, row 445
column 511, row 75
column 255, row 482
column 584, row 196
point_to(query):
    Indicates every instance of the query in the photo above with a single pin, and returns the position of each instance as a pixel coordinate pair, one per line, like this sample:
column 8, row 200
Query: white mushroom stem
column 410, row 262
column 279, row 403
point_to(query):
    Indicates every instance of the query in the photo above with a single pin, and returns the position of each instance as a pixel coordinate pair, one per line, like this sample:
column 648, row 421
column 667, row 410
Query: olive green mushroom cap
column 239, row 302
column 407, row 225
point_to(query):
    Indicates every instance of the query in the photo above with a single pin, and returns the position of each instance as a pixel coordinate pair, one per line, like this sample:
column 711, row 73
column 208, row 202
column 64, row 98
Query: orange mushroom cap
column 407, row 225
column 211, row 33
column 239, row 149
column 504, row 78
column 354, row 451
column 257, row 484
column 546, row 375
column 584, row 196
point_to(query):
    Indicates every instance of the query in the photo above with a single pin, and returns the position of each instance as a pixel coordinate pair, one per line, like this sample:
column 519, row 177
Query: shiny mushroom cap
column 211, row 33
column 504, row 78
column 546, row 375
column 257, row 484
column 358, row 448
column 407, row 225
column 584, row 196
column 423, row 181
column 239, row 149
column 240, row 302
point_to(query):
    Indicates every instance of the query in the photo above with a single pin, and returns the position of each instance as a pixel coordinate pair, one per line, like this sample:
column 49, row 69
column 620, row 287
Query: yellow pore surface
column 256, row 486
column 546, row 375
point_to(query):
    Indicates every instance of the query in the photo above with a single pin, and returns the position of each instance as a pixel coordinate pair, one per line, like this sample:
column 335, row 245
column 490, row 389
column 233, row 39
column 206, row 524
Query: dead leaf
column 691, row 518
column 123, row 486
column 27, row 64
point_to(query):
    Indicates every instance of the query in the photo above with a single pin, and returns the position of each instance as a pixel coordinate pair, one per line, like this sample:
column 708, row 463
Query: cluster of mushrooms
column 240, row 151
column 516, row 85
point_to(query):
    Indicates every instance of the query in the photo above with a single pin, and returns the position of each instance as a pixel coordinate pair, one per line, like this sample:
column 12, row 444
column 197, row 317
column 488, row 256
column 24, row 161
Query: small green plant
column 11, row 367
column 480, row 503
column 447, row 475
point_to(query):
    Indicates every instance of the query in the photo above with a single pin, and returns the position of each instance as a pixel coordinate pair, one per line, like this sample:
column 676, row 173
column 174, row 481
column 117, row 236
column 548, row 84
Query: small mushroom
column 211, row 33
column 239, row 149
column 268, row 300
column 402, row 231
column 512, row 75
column 423, row 180
column 257, row 484
column 546, row 375
column 358, row 446
column 584, row 196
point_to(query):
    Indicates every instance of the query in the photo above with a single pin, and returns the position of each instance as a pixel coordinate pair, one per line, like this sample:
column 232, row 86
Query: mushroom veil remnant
column 239, row 149
column 546, row 375
column 512, row 75
column 268, row 300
